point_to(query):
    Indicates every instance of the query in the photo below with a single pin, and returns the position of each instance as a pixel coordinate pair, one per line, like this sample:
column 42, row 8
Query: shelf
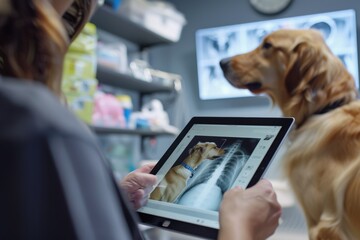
column 115, row 130
column 126, row 81
column 112, row 22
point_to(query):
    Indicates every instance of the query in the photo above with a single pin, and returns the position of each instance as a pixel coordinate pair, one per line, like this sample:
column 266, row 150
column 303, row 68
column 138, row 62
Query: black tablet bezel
column 203, row 231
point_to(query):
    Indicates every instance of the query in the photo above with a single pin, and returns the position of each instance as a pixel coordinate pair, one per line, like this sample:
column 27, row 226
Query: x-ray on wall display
column 214, row 44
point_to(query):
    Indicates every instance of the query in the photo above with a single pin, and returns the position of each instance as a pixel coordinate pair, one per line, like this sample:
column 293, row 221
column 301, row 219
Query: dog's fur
column 304, row 78
column 176, row 179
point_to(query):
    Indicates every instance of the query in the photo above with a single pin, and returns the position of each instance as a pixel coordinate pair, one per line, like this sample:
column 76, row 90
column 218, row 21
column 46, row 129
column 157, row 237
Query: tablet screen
column 203, row 163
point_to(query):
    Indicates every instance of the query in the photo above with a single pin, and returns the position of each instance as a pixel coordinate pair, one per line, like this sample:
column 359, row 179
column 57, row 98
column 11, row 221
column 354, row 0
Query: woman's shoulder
column 30, row 108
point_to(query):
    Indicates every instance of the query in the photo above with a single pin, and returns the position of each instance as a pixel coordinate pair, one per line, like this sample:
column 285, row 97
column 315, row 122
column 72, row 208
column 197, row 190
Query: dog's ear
column 196, row 148
column 305, row 66
column 201, row 149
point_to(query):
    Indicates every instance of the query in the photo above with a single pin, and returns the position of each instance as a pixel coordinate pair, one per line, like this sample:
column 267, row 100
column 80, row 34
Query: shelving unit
column 121, row 80
column 110, row 21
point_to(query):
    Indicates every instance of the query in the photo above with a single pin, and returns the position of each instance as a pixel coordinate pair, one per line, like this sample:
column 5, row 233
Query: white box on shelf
column 168, row 24
column 134, row 10
column 158, row 16
column 113, row 56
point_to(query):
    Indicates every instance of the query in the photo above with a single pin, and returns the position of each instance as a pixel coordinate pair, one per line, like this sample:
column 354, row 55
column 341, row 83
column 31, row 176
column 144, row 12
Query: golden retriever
column 301, row 75
column 176, row 179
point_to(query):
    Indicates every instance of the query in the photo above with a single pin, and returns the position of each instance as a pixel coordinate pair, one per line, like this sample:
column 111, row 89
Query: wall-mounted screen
column 214, row 44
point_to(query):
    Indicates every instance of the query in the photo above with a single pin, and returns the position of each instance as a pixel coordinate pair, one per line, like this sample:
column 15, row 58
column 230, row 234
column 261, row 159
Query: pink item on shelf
column 108, row 111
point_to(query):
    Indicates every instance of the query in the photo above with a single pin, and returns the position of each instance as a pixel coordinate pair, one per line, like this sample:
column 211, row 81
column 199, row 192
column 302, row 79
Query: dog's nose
column 225, row 64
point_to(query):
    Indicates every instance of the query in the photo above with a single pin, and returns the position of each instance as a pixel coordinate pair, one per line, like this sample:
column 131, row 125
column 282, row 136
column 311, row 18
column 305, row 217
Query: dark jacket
column 54, row 181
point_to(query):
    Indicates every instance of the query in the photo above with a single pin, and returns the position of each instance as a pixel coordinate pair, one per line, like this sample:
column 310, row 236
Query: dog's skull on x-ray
column 219, row 44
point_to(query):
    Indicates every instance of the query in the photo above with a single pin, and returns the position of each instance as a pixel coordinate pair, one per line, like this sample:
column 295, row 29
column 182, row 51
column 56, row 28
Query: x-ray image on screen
column 220, row 44
column 214, row 44
column 213, row 178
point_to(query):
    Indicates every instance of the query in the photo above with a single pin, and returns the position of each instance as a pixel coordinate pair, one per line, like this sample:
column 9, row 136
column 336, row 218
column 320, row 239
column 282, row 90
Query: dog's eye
column 267, row 45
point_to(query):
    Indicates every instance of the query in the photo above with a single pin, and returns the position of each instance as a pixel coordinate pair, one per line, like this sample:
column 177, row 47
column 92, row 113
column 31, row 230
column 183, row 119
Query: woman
column 35, row 35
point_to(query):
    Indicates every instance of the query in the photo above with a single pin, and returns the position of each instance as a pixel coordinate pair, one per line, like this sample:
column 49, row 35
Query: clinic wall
column 181, row 57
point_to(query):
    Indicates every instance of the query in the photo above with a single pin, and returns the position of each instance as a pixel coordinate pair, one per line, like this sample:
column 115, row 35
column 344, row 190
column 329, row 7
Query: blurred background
column 141, row 69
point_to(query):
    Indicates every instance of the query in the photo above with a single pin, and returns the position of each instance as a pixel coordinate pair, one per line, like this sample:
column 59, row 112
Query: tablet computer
column 210, row 156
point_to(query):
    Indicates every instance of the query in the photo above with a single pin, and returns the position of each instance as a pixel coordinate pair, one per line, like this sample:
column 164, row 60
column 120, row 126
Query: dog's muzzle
column 225, row 65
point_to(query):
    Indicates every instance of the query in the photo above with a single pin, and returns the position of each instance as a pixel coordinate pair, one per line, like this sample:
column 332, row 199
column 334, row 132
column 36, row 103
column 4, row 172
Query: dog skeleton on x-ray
column 216, row 178
column 217, row 46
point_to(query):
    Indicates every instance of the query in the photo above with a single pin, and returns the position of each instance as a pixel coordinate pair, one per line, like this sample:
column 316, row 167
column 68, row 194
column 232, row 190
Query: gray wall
column 181, row 57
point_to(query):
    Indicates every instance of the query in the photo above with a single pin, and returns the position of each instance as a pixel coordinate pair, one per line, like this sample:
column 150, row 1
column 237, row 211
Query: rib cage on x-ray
column 220, row 172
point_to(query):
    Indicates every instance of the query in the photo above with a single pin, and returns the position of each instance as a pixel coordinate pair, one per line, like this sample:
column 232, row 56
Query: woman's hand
column 249, row 214
column 138, row 184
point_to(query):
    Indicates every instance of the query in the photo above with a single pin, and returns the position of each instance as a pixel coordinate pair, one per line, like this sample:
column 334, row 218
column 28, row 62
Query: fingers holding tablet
column 138, row 184
column 251, row 212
